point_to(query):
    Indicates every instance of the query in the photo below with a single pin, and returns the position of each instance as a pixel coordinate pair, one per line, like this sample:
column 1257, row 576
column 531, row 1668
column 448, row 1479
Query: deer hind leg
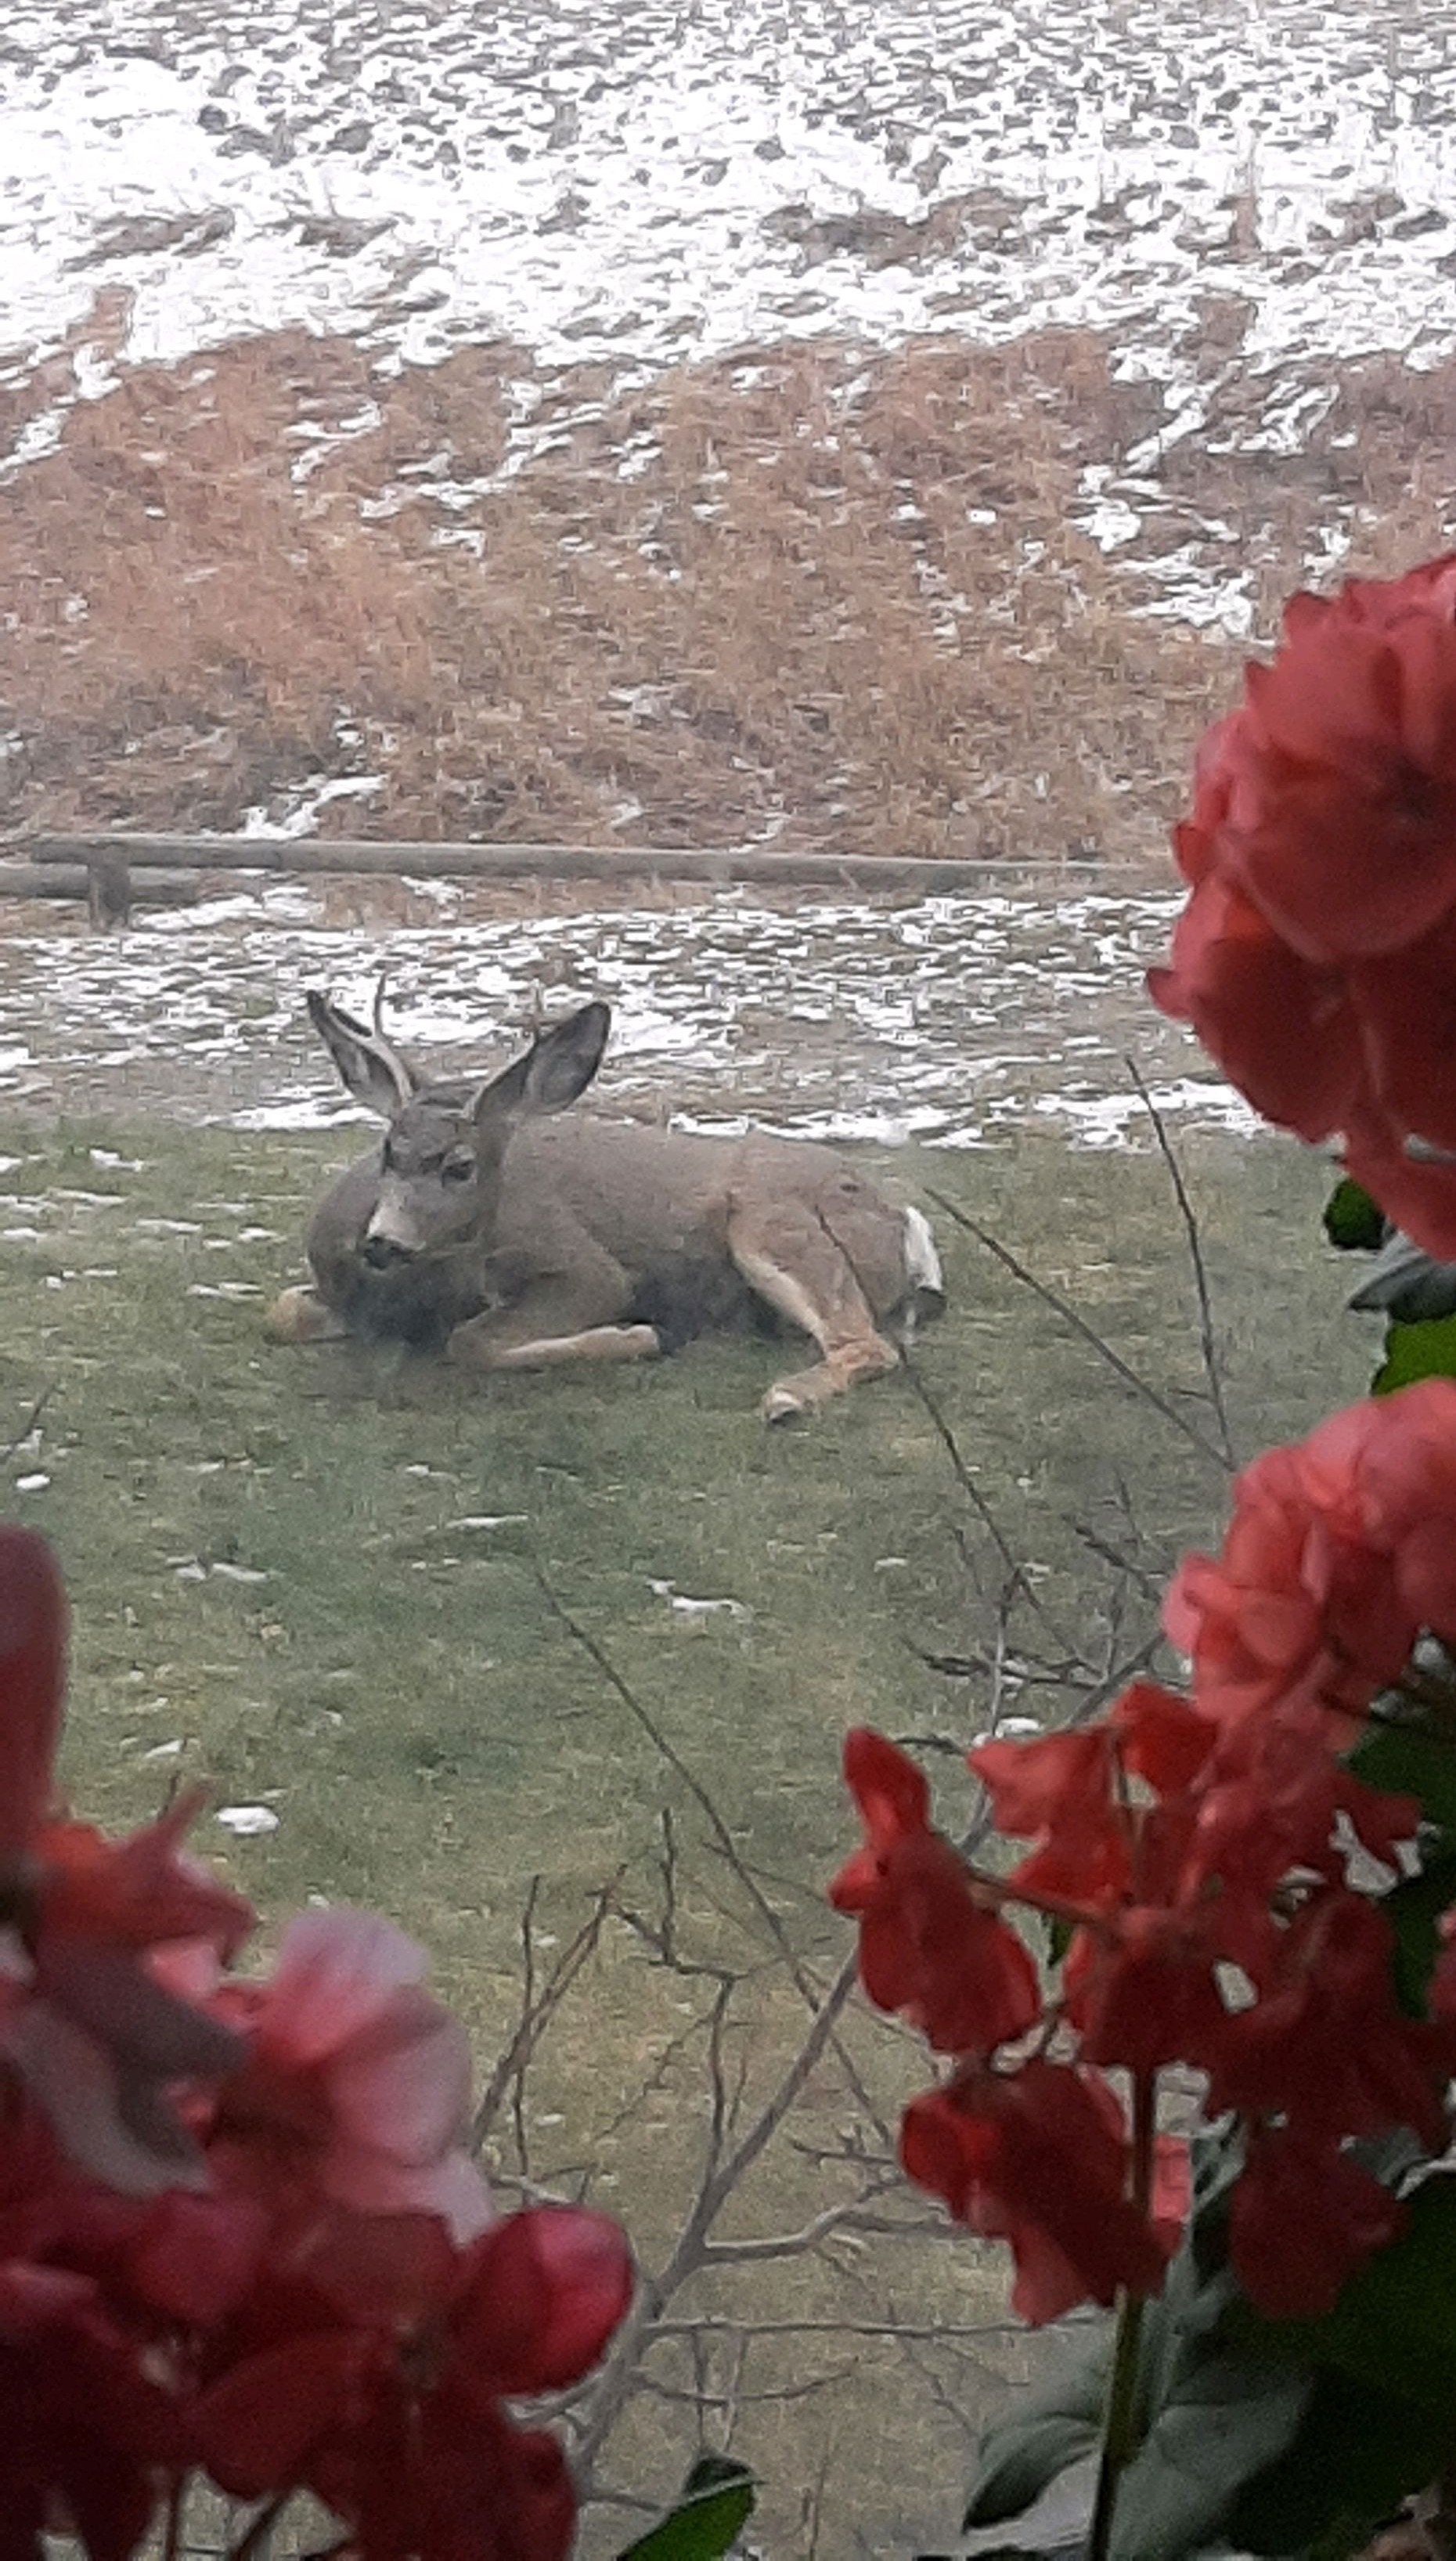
column 302, row 1316
column 793, row 1262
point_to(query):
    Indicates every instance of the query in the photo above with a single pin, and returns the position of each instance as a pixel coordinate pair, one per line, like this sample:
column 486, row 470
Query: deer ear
column 370, row 1065
column 559, row 1065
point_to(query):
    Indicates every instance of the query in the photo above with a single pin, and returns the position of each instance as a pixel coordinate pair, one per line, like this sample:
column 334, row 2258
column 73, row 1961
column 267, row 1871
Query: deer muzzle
column 382, row 1252
column 391, row 1237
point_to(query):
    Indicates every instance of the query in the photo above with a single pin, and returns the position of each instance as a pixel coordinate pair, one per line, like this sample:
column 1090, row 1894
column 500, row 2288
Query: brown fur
column 512, row 1239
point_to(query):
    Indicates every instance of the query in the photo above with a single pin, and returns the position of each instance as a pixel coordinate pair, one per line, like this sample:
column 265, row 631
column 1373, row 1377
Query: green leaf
column 1426, row 1350
column 1232, row 2418
column 1053, row 2528
column 1352, row 1221
column 716, row 2505
column 1411, row 1758
column 1048, row 2428
column 1357, row 2455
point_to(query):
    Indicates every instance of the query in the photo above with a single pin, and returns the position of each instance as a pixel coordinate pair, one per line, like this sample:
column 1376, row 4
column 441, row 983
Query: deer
column 500, row 1228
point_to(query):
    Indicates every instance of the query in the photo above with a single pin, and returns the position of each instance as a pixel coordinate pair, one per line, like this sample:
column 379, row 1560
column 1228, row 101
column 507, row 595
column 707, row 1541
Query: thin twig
column 176, row 2511
column 29, row 1425
column 663, row 1745
column 614, row 2385
column 928, row 2333
column 1016, row 1571
column 528, row 1994
column 1053, row 1298
column 723, row 2401
column 794, row 2245
column 1208, row 1340
column 254, row 2543
column 537, row 2014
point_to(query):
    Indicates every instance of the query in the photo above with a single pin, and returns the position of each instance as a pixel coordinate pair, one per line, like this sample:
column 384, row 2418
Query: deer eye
column 457, row 1169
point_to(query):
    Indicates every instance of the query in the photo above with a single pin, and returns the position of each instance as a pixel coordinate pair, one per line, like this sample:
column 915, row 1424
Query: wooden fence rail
column 301, row 857
column 61, row 880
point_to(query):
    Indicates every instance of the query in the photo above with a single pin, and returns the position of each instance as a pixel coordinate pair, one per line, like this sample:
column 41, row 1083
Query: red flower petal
column 1163, row 1739
column 256, row 2428
column 892, row 1793
column 1037, row 2158
column 543, row 2292
column 1301, row 2220
column 1030, row 1785
column 1283, row 1031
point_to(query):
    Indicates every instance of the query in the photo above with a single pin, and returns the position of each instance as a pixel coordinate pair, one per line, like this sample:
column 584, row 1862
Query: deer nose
column 380, row 1251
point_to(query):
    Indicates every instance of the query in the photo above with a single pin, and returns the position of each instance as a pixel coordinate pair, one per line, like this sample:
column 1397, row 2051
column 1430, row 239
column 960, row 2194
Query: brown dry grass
column 835, row 596
column 754, row 635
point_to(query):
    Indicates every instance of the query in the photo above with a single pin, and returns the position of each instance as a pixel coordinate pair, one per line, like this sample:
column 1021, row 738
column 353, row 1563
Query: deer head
column 441, row 1164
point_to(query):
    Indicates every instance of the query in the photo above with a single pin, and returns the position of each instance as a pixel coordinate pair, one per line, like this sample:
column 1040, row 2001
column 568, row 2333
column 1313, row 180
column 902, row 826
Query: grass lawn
column 313, row 1578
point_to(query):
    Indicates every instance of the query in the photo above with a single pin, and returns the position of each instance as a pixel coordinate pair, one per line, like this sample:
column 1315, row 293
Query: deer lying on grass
column 513, row 1239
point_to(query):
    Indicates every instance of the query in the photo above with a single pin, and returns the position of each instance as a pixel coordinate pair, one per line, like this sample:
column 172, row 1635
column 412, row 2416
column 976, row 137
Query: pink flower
column 98, row 2040
column 372, row 2367
column 1341, row 1550
column 357, row 2084
column 1316, row 958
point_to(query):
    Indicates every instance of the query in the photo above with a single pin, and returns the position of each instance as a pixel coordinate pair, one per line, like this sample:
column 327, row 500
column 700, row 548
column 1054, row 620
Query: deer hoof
column 783, row 1404
column 300, row 1317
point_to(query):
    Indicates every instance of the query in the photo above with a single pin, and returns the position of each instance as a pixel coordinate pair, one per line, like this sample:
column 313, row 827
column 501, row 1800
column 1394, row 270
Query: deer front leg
column 301, row 1316
column 477, row 1347
column 563, row 1318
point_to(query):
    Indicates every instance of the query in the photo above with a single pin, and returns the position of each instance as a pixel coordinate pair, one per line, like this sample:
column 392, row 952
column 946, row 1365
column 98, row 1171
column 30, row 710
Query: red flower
column 927, row 1947
column 1273, row 1802
column 88, row 2430
column 1283, row 1029
column 1037, row 2158
column 373, row 2369
column 1059, row 1792
column 357, row 2084
column 1324, row 2045
column 1340, row 1551
column 92, row 2031
column 1302, row 2219
column 1141, row 1990
column 1095, row 1846
column 1317, row 956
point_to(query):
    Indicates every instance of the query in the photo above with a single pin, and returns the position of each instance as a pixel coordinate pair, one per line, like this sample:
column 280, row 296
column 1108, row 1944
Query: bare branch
column 537, row 2012
column 29, row 1425
column 663, row 1744
column 1053, row 1298
column 1206, row 1339
column 723, row 2401
column 793, row 2244
column 929, row 2333
column 1016, row 1571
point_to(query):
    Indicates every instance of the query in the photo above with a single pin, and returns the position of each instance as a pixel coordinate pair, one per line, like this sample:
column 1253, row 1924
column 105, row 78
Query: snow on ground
column 949, row 1019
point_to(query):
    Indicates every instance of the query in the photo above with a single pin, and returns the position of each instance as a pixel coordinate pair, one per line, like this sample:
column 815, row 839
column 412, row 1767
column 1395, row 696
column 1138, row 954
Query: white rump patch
column 926, row 1294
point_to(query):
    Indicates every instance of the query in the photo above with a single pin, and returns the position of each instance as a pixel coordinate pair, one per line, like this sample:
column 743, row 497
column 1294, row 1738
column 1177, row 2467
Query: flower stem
column 1122, row 2420
column 176, row 2504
